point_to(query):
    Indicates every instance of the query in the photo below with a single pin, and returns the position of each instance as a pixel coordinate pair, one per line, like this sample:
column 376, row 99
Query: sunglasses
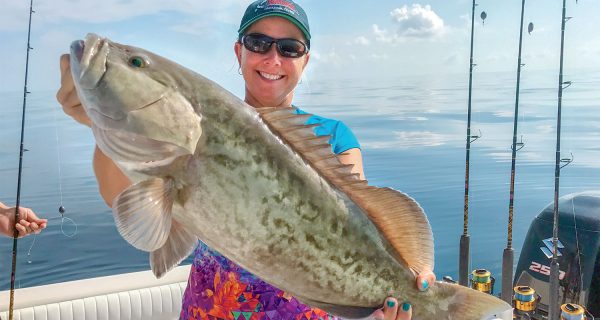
column 260, row 43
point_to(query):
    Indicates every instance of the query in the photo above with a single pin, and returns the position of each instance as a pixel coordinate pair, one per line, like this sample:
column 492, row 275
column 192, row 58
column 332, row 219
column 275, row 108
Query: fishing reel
column 482, row 280
column 525, row 302
column 571, row 311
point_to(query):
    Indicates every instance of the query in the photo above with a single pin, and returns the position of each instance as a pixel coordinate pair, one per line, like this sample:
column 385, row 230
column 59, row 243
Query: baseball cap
column 287, row 9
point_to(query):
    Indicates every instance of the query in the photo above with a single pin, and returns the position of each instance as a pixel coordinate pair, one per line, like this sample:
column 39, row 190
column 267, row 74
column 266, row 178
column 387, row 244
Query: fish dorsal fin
column 402, row 222
column 399, row 218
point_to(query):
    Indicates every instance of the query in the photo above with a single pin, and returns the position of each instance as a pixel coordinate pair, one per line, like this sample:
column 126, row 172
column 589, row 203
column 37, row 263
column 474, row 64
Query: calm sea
column 412, row 131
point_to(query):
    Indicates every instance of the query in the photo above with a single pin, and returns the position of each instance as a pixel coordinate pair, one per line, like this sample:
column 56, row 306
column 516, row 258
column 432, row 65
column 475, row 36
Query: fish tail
column 461, row 302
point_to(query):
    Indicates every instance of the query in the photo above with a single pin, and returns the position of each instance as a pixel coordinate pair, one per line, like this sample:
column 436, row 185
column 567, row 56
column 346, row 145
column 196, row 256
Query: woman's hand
column 67, row 95
column 392, row 310
column 28, row 221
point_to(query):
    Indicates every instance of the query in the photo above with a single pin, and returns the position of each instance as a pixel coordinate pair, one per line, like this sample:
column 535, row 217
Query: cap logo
column 283, row 3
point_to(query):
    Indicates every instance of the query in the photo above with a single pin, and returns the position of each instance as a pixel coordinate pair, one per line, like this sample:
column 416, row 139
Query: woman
column 28, row 221
column 272, row 51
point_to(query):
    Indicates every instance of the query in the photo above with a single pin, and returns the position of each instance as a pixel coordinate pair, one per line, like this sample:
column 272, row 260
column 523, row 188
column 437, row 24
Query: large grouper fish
column 258, row 186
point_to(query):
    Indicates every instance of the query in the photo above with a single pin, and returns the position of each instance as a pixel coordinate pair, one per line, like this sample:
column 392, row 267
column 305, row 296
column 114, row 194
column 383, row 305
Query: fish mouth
column 88, row 60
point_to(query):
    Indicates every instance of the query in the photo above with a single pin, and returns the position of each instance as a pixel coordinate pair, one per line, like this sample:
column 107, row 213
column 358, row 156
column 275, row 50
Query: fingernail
column 405, row 307
column 391, row 303
column 425, row 285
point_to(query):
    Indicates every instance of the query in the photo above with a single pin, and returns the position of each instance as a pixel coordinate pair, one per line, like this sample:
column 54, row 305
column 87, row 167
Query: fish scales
column 233, row 158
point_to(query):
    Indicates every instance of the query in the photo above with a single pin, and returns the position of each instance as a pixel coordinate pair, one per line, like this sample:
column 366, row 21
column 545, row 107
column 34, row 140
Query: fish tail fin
column 461, row 302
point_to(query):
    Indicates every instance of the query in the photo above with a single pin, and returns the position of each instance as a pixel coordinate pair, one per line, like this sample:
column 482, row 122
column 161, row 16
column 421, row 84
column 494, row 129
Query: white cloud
column 362, row 41
column 331, row 57
column 417, row 21
column 383, row 35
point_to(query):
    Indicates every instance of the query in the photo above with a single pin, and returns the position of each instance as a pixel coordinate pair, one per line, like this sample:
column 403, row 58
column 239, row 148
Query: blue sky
column 371, row 39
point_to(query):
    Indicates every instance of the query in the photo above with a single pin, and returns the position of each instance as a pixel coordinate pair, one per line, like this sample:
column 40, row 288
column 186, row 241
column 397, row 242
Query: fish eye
column 138, row 62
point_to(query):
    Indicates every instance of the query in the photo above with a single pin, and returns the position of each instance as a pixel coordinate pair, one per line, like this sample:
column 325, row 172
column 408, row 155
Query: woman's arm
column 354, row 157
column 111, row 180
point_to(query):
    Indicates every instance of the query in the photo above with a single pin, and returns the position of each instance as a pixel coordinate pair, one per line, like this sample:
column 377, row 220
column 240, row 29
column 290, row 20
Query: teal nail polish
column 406, row 306
column 391, row 303
column 425, row 284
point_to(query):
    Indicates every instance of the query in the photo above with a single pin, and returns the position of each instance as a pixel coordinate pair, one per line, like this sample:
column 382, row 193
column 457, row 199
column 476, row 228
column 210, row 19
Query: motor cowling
column 578, row 249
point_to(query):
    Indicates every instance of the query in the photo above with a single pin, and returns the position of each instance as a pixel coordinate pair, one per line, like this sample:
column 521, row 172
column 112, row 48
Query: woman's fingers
column 390, row 309
column 67, row 95
column 404, row 311
column 425, row 280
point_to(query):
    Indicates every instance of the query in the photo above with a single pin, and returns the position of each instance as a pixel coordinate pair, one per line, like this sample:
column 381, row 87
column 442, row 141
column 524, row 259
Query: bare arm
column 354, row 157
column 111, row 180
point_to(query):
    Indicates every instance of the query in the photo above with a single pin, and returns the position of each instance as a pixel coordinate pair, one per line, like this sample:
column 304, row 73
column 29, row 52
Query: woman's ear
column 306, row 60
column 237, row 48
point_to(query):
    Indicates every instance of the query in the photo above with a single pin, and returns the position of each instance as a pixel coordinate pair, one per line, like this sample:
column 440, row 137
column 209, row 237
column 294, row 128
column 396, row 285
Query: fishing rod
column 553, row 311
column 465, row 240
column 21, row 151
column 508, row 254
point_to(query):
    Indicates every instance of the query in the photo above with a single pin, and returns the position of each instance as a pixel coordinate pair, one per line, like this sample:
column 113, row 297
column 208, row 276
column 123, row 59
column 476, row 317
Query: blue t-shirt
column 220, row 289
column 342, row 137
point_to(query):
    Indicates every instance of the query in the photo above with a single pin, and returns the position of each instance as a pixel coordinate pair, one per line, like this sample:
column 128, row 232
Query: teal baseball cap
column 287, row 9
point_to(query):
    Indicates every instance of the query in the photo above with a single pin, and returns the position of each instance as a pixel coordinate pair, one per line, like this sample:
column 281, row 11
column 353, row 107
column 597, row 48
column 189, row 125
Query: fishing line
column 61, row 208
column 30, row 247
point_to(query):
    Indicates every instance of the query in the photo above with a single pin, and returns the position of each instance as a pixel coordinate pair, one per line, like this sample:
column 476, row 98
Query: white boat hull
column 130, row 296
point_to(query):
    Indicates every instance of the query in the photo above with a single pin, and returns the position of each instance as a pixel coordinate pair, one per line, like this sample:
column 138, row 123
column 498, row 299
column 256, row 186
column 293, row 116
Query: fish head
column 134, row 101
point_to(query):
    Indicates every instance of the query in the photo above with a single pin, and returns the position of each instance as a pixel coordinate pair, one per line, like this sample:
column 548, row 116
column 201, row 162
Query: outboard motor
column 578, row 253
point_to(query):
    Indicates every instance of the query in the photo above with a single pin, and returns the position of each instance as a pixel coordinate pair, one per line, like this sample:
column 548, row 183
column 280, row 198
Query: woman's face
column 270, row 78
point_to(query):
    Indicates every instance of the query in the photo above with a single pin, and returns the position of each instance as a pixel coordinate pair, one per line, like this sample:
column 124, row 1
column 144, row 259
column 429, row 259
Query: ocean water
column 412, row 131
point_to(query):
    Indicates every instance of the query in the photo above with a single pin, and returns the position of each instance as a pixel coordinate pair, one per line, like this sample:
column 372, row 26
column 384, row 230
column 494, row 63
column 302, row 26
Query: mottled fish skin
column 245, row 192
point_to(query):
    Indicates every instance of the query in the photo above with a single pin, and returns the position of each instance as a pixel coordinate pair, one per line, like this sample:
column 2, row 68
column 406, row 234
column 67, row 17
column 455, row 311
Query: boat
column 127, row 296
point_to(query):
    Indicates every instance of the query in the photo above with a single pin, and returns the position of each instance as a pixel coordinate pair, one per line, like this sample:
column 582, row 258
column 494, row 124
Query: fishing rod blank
column 21, row 151
column 553, row 312
column 508, row 254
column 465, row 256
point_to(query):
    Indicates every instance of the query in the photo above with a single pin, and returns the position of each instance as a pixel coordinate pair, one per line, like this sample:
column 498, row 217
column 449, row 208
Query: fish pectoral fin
column 178, row 246
column 143, row 213
column 346, row 312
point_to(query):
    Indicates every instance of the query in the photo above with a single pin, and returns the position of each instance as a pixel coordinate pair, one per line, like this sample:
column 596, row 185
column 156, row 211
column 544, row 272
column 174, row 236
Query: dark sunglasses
column 260, row 43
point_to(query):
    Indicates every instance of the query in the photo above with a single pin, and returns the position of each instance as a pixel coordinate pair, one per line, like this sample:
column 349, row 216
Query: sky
column 351, row 39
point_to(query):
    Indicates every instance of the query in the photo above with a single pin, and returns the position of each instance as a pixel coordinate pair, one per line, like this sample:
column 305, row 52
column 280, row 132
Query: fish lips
column 86, row 65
